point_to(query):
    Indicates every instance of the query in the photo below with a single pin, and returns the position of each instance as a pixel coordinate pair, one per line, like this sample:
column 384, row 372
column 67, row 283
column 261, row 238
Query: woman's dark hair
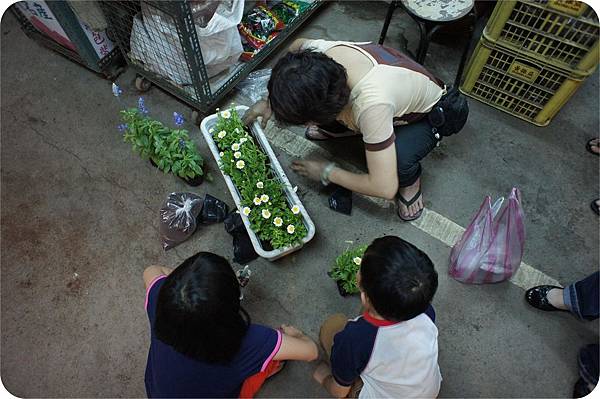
column 198, row 311
column 398, row 278
column 307, row 86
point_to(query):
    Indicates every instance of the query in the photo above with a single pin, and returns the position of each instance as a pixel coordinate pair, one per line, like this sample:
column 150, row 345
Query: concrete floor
column 80, row 216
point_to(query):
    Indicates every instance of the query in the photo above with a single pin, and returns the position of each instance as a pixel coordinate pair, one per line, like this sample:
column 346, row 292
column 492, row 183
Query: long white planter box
column 256, row 131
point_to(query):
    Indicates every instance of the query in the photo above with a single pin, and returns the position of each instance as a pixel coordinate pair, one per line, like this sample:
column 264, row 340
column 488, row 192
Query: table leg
column 388, row 18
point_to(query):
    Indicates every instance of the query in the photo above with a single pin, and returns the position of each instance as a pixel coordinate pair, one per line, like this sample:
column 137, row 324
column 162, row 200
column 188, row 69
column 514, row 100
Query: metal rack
column 200, row 93
column 83, row 52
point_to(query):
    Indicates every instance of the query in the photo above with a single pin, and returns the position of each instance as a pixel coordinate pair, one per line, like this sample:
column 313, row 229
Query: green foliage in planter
column 345, row 268
column 263, row 200
column 170, row 149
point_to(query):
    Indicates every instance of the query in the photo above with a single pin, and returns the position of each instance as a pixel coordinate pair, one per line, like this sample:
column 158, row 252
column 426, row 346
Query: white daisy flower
column 237, row 154
column 226, row 114
column 265, row 213
column 257, row 201
column 246, row 211
column 259, row 184
column 264, row 198
column 222, row 134
column 291, row 229
column 240, row 164
column 243, row 140
column 278, row 221
column 295, row 209
column 235, row 146
column 357, row 260
column 221, row 153
column 211, row 130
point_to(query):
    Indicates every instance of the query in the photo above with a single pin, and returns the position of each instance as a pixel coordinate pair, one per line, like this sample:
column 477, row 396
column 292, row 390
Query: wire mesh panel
column 529, row 90
column 171, row 44
column 563, row 33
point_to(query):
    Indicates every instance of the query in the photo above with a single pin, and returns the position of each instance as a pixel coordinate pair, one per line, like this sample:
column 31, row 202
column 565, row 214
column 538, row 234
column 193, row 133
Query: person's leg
column 588, row 361
column 582, row 296
column 413, row 143
column 333, row 325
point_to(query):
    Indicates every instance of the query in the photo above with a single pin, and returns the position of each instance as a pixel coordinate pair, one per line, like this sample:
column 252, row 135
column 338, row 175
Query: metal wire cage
column 79, row 47
column 160, row 42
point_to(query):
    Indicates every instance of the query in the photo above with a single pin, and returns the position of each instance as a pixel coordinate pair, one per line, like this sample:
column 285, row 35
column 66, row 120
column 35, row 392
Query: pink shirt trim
column 150, row 287
column 272, row 355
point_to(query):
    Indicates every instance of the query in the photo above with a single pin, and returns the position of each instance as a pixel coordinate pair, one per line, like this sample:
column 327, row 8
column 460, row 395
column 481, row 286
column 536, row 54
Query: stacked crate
column 533, row 56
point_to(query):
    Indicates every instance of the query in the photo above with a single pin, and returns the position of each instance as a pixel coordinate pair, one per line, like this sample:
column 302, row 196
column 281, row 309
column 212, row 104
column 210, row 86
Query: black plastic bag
column 243, row 251
column 341, row 200
column 214, row 210
column 178, row 218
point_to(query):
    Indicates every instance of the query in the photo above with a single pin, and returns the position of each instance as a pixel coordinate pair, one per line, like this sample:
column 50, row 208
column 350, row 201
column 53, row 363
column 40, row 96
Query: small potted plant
column 170, row 150
column 345, row 269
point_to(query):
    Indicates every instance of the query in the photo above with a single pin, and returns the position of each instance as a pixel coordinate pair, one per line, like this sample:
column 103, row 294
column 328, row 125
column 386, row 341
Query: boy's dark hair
column 198, row 311
column 307, row 86
column 398, row 278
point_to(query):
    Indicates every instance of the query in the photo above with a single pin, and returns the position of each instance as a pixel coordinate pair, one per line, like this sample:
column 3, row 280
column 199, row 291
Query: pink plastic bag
column 491, row 248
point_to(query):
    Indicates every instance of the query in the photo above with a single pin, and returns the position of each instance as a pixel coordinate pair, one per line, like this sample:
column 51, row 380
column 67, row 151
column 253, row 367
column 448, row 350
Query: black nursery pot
column 341, row 289
column 195, row 182
column 153, row 163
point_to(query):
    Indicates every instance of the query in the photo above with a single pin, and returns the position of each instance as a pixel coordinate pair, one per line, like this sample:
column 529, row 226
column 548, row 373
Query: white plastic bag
column 178, row 218
column 254, row 87
column 156, row 43
column 491, row 248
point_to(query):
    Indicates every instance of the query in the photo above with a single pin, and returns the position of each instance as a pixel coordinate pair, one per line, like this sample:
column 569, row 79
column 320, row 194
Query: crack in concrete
column 56, row 147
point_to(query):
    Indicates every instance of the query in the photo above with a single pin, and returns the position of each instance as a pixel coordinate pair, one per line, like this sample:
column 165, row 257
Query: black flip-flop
column 329, row 135
column 594, row 207
column 538, row 298
column 409, row 203
column 588, row 146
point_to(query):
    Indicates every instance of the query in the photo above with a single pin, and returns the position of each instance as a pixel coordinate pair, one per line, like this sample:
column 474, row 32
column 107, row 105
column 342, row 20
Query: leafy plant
column 263, row 200
column 345, row 268
column 170, row 149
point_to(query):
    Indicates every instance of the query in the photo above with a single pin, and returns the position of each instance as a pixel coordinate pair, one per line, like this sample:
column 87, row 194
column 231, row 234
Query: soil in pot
column 341, row 289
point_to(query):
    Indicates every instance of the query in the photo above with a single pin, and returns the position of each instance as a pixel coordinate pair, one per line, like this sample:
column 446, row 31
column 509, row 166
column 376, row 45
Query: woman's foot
column 593, row 146
column 410, row 202
column 546, row 297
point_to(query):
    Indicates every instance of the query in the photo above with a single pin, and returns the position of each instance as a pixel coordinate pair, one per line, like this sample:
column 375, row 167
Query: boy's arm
column 323, row 375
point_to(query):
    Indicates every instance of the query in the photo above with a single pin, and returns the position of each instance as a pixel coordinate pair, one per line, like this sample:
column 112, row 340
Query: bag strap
column 389, row 56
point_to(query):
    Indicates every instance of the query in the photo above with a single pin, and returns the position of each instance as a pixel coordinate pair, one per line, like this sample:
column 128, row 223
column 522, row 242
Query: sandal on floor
column 588, row 146
column 407, row 204
column 316, row 133
column 538, row 298
column 594, row 207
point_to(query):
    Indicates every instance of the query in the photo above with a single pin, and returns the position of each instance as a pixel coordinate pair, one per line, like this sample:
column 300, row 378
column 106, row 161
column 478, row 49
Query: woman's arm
column 381, row 180
column 153, row 272
column 297, row 44
column 295, row 345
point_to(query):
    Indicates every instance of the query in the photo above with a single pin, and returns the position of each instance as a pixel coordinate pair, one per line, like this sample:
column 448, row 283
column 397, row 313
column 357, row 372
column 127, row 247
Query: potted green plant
column 345, row 268
column 170, row 150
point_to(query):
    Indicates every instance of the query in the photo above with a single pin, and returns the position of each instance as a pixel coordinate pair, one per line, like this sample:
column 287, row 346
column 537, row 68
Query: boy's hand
column 291, row 331
column 321, row 372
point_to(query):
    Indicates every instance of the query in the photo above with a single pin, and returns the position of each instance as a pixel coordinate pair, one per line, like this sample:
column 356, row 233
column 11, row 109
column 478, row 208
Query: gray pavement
column 79, row 220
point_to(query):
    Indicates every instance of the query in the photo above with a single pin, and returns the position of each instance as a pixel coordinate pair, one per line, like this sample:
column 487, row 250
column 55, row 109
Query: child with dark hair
column 202, row 341
column 390, row 351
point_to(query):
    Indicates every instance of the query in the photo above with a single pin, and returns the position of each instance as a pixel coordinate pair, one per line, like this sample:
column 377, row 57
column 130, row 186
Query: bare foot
column 408, row 194
column 555, row 297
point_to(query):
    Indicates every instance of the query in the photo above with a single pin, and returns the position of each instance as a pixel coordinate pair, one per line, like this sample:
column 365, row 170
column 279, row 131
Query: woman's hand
column 310, row 169
column 259, row 109
column 291, row 331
